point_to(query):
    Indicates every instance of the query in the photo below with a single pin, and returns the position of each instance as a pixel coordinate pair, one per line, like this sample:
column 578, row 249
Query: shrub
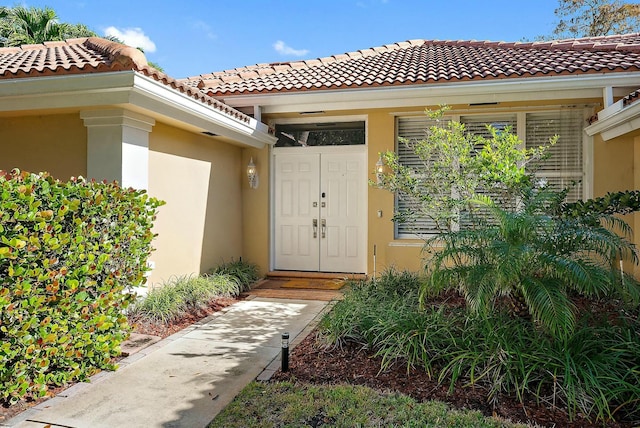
column 70, row 254
column 536, row 259
column 171, row 300
column 246, row 273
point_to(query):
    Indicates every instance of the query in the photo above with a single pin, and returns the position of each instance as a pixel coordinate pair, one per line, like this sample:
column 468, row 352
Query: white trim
column 496, row 108
column 155, row 96
column 484, row 91
column 616, row 120
column 131, row 90
column 588, row 156
column 319, row 119
column 355, row 148
column 607, row 96
column 412, row 243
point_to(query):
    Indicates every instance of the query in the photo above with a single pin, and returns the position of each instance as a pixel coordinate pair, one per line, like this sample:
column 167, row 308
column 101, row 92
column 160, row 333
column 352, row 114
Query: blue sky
column 191, row 37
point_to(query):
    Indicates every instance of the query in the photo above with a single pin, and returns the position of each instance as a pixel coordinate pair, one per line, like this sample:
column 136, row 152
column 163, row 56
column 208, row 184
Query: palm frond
column 549, row 305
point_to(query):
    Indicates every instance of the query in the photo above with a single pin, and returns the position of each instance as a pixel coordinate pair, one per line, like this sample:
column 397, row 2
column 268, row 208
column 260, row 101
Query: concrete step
column 289, row 274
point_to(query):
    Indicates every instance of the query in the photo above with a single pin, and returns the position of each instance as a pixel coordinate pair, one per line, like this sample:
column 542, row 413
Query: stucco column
column 118, row 146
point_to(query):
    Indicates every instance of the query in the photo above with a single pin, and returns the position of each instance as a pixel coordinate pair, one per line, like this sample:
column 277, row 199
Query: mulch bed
column 316, row 363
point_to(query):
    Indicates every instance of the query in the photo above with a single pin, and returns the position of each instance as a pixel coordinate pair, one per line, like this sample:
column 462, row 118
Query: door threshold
column 314, row 275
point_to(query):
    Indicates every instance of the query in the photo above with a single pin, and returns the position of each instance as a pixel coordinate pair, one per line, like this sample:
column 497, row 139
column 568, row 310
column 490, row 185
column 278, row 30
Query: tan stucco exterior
column 211, row 213
column 255, row 210
column 201, row 224
column 53, row 143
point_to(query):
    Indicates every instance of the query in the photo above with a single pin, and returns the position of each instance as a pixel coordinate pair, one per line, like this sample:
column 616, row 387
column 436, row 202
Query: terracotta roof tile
column 95, row 55
column 431, row 61
column 631, row 98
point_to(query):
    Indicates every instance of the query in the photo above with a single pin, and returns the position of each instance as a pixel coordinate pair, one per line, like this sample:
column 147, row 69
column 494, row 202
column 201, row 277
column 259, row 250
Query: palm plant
column 33, row 25
column 534, row 258
column 22, row 25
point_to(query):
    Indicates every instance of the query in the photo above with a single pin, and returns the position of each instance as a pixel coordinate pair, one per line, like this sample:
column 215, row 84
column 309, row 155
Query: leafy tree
column 589, row 18
column 78, row 30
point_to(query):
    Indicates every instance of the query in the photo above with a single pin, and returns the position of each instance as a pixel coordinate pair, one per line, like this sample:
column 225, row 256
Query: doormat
column 314, row 284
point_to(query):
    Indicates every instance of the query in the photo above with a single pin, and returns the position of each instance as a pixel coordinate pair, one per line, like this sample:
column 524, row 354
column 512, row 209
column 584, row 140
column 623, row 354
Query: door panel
column 296, row 184
column 331, row 189
column 343, row 181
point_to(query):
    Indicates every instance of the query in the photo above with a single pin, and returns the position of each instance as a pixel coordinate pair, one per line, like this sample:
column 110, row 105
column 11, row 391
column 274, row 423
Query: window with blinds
column 564, row 167
column 411, row 130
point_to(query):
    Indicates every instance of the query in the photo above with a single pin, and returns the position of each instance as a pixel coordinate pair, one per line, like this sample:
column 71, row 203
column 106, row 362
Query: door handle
column 315, row 227
column 324, row 227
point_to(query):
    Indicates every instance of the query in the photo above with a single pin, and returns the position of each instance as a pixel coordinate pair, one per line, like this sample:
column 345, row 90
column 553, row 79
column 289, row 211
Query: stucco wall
column 615, row 170
column 613, row 165
column 201, row 224
column 255, row 206
column 55, row 143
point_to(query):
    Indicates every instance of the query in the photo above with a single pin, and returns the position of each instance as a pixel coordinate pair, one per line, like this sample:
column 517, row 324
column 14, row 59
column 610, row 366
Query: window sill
column 407, row 243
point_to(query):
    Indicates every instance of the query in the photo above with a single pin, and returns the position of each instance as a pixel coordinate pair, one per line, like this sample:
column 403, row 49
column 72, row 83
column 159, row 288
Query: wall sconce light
column 252, row 174
column 379, row 169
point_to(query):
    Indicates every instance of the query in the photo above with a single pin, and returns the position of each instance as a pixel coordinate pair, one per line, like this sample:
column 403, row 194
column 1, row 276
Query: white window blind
column 412, row 129
column 565, row 164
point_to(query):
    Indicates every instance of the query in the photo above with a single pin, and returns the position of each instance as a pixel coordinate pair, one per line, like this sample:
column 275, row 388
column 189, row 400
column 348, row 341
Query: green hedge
column 70, row 255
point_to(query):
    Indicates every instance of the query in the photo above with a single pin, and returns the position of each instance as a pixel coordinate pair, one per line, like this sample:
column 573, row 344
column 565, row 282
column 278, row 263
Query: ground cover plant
column 292, row 404
column 70, row 255
column 171, row 300
column 594, row 374
column 246, row 273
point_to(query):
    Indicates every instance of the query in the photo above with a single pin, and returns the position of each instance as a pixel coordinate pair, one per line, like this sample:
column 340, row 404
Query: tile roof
column 93, row 55
column 631, row 98
column 430, row 61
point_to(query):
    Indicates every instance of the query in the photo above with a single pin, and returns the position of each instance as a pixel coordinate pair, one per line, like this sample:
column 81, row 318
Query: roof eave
column 467, row 92
column 616, row 120
column 129, row 89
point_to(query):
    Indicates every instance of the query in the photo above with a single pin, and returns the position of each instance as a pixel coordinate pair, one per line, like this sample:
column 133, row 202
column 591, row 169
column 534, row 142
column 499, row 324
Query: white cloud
column 204, row 28
column 134, row 37
column 282, row 48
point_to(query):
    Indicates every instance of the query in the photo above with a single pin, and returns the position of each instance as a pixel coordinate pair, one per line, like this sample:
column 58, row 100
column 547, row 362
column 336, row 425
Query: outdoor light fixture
column 285, row 352
column 379, row 169
column 252, row 174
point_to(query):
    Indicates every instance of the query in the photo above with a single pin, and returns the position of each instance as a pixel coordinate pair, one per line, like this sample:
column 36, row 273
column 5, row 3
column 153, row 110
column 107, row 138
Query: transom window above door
column 320, row 134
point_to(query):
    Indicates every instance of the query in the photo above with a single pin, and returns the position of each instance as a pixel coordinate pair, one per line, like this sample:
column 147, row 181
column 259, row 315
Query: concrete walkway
column 186, row 379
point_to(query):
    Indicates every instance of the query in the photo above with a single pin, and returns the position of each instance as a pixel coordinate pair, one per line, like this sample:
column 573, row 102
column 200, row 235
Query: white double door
column 320, row 209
